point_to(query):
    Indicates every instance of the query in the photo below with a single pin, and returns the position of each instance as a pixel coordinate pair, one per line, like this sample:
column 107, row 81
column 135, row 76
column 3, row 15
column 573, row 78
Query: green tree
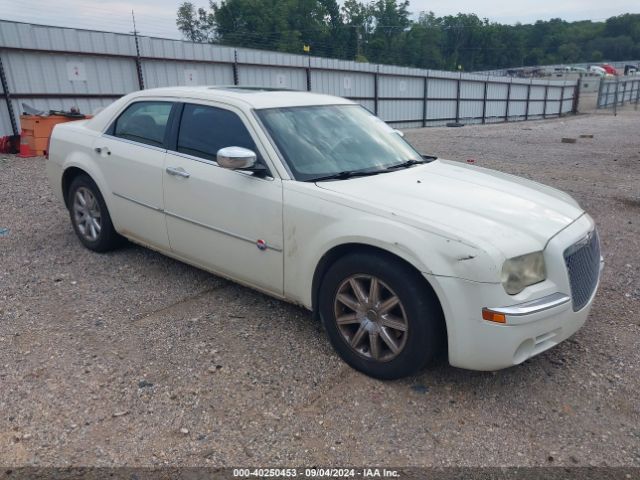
column 383, row 31
column 569, row 53
column 423, row 43
column 195, row 25
column 357, row 23
column 597, row 56
column 390, row 20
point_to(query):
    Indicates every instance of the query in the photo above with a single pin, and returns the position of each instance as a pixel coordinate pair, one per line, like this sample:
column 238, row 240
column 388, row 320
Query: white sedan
column 312, row 199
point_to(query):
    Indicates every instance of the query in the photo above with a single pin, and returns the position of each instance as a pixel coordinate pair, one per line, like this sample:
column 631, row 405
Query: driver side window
column 204, row 130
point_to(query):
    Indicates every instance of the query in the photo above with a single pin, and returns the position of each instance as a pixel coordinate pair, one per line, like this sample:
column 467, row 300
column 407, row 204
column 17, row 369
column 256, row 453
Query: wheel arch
column 339, row 251
column 68, row 176
column 77, row 165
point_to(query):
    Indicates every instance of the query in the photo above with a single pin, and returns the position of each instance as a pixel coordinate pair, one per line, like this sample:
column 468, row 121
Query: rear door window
column 143, row 122
column 204, row 130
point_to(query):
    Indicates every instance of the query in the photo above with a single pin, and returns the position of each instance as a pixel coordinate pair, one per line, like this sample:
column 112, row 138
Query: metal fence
column 55, row 68
column 614, row 93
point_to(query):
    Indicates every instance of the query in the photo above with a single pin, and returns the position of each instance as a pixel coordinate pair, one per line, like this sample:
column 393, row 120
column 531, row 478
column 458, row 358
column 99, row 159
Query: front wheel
column 380, row 316
column 90, row 217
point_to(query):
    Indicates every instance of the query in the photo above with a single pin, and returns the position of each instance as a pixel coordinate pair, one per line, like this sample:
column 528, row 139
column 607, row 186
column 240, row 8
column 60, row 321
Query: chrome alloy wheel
column 86, row 213
column 370, row 317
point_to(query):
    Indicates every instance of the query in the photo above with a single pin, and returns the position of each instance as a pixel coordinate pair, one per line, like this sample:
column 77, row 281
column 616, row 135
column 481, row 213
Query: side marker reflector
column 491, row 316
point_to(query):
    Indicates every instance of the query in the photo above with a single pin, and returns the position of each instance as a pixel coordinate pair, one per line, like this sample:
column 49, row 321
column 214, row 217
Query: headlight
column 520, row 272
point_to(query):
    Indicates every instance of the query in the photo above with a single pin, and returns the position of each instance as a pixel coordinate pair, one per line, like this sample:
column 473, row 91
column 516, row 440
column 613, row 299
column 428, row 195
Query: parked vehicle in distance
column 609, row 69
column 312, row 199
column 597, row 70
column 630, row 69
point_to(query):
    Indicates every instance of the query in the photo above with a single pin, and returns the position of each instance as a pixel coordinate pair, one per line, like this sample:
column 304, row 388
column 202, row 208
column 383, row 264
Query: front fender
column 314, row 226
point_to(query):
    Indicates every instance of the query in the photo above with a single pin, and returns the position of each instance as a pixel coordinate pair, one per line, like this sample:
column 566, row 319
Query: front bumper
column 519, row 312
column 537, row 319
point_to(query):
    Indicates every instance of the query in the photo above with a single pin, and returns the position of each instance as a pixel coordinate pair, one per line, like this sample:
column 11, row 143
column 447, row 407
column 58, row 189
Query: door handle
column 102, row 149
column 178, row 172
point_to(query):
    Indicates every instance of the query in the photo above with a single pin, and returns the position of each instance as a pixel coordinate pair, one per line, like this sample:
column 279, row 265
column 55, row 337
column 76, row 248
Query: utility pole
column 7, row 99
column 138, row 62
column 307, row 49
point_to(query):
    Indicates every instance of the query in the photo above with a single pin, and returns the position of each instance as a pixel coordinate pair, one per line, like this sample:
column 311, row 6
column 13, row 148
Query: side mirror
column 236, row 158
column 398, row 132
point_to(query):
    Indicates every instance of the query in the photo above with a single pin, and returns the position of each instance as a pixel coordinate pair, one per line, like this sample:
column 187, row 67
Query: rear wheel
column 90, row 217
column 380, row 316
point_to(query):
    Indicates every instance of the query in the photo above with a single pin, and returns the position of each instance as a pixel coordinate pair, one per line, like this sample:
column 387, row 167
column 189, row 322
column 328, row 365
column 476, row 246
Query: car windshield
column 325, row 140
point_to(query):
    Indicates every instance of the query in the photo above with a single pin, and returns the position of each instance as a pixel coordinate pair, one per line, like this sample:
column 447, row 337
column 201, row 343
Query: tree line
column 385, row 31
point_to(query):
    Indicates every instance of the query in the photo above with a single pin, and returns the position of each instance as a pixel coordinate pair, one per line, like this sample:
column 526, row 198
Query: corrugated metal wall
column 43, row 73
column 618, row 91
column 57, row 68
column 162, row 73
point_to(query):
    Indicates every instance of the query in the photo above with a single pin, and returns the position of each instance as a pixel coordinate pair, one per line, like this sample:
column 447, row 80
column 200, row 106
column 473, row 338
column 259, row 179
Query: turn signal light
column 491, row 316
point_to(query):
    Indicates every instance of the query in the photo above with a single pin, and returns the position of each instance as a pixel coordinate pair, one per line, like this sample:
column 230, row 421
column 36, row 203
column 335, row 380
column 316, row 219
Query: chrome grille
column 583, row 265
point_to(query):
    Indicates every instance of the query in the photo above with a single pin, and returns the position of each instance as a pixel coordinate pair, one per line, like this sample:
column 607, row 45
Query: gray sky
column 157, row 17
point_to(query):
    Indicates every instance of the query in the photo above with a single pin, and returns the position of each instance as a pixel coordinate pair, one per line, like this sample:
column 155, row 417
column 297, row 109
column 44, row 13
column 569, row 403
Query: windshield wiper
column 359, row 173
column 410, row 163
column 346, row 174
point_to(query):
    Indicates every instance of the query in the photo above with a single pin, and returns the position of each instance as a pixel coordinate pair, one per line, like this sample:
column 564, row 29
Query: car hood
column 470, row 203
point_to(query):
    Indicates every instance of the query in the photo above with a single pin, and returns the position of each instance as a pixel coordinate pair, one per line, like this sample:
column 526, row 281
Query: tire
column 382, row 348
column 91, row 222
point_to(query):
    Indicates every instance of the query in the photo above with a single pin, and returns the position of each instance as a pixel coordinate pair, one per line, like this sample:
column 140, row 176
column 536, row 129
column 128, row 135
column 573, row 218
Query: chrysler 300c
column 312, row 199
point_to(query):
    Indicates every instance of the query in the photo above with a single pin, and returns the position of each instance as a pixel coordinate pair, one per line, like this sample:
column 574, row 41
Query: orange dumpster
column 37, row 129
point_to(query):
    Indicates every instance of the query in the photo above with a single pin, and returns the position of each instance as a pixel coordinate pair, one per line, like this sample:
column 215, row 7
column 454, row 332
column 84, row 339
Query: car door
column 132, row 152
column 228, row 221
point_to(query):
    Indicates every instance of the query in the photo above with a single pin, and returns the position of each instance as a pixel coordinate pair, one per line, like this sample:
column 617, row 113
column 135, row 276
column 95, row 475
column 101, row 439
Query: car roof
column 254, row 97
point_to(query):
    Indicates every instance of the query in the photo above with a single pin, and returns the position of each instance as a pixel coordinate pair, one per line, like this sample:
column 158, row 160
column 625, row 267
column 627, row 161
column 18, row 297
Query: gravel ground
column 131, row 358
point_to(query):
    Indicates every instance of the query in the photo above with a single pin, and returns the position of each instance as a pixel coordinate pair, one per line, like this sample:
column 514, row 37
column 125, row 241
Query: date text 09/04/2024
column 315, row 472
